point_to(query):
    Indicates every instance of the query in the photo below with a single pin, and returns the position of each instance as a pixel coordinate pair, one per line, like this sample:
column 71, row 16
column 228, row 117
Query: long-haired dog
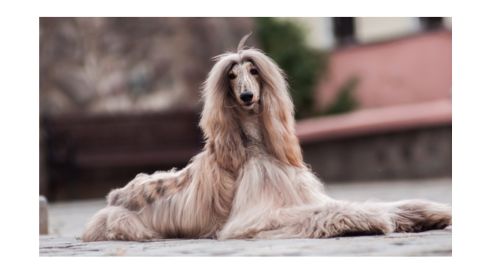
column 250, row 180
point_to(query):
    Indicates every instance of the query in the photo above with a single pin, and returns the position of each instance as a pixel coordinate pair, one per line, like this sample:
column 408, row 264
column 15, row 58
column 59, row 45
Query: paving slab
column 430, row 243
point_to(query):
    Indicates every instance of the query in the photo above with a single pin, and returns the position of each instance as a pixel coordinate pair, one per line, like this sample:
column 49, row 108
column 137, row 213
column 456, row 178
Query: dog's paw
column 421, row 215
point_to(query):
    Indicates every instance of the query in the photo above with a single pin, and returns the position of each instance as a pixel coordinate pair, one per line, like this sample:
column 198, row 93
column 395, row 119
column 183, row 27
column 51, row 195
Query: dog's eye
column 254, row 71
column 232, row 76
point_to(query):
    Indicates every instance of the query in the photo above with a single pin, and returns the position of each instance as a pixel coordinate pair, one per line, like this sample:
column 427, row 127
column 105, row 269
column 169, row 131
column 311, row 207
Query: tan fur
column 250, row 180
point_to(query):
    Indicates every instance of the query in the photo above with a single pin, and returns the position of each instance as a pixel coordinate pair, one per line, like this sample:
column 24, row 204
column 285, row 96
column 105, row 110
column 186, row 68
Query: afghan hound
column 250, row 180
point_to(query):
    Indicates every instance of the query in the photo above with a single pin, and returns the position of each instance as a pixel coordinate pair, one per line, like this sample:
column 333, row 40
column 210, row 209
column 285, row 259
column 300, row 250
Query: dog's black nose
column 246, row 96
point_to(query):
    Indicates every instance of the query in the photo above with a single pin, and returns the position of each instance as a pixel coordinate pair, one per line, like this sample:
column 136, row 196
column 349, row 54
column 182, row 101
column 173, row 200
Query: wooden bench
column 106, row 150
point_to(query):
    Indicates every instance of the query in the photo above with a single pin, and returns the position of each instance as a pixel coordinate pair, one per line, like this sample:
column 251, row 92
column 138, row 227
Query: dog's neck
column 251, row 130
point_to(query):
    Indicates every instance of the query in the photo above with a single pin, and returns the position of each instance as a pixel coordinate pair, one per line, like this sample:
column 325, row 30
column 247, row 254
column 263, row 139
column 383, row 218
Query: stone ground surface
column 67, row 219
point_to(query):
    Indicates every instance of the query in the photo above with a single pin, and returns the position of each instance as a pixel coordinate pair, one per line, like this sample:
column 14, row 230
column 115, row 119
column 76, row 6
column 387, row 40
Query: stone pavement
column 432, row 243
column 67, row 219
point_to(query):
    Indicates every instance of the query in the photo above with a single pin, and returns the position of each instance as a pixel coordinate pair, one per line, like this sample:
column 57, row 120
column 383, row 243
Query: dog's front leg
column 334, row 218
column 341, row 218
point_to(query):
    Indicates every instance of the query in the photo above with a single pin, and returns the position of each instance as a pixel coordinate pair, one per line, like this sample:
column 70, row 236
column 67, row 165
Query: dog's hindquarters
column 191, row 203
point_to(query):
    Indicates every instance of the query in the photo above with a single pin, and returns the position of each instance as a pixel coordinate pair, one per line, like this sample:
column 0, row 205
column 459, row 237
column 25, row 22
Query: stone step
column 43, row 215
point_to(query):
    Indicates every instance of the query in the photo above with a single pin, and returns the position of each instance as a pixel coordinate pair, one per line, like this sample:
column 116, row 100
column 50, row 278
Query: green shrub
column 285, row 42
column 345, row 100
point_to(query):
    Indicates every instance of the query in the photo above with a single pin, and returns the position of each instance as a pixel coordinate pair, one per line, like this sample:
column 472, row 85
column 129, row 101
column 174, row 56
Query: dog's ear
column 277, row 111
column 279, row 128
column 217, row 121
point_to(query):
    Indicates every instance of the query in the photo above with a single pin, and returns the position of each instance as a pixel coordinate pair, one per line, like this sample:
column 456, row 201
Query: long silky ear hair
column 277, row 110
column 218, row 123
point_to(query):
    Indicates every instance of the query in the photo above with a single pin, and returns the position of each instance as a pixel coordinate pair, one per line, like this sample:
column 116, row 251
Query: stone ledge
column 376, row 121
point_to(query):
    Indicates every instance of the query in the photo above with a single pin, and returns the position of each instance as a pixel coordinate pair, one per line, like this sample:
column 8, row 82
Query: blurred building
column 402, row 74
column 112, row 65
column 329, row 33
column 396, row 60
column 119, row 96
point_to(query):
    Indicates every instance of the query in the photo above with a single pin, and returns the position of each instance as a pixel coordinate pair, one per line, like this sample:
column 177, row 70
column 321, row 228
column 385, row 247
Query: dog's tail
column 241, row 44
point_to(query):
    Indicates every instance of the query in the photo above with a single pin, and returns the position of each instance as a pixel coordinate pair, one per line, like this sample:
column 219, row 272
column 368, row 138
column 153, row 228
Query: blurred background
column 120, row 96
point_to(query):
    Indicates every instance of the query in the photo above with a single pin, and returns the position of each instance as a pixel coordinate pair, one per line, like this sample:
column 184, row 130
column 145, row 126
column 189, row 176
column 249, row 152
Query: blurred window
column 431, row 23
column 344, row 30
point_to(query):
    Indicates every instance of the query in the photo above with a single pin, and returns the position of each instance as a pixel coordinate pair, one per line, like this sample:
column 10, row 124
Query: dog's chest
column 252, row 136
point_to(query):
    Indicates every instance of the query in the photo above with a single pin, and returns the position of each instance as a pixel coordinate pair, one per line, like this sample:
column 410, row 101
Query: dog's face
column 245, row 84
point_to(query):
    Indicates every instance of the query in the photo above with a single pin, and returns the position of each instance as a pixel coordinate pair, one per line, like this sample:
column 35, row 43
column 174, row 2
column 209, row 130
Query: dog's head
column 249, row 81
column 244, row 80
column 246, row 76
column 245, row 84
